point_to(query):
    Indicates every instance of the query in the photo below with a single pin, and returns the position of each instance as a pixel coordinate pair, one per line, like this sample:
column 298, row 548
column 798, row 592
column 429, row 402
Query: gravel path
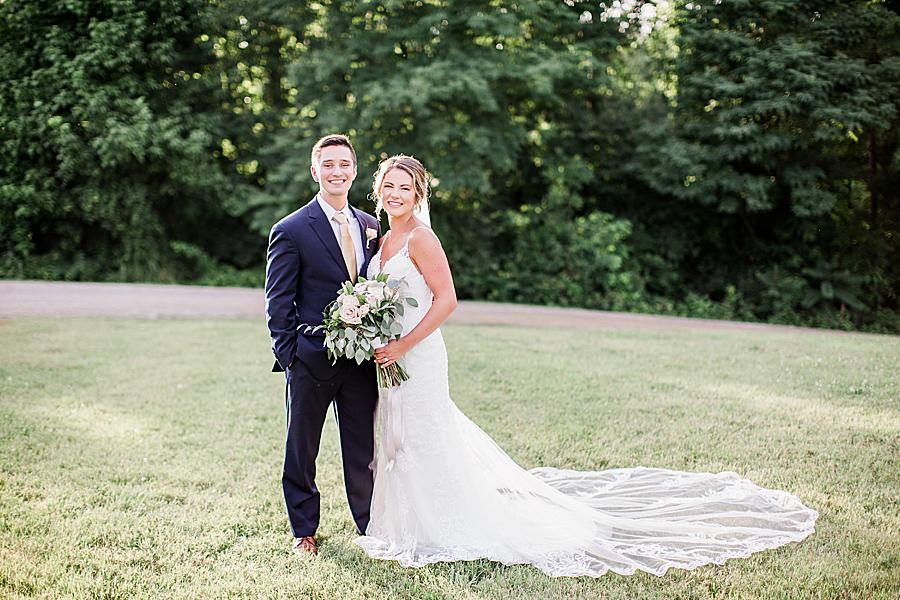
column 40, row 298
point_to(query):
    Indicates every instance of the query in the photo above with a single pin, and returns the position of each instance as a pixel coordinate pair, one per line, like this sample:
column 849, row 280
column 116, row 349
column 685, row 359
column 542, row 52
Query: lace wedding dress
column 453, row 494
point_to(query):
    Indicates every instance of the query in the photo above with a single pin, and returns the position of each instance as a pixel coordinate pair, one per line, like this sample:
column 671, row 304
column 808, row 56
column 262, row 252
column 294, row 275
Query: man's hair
column 333, row 139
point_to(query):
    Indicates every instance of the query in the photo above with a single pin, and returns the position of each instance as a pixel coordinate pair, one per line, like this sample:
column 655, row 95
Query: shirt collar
column 329, row 210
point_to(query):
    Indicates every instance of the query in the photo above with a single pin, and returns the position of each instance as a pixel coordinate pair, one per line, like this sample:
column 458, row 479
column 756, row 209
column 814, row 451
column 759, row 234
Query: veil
column 423, row 213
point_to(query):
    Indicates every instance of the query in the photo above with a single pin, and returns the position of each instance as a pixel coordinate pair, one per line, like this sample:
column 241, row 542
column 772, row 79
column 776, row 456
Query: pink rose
column 349, row 301
column 350, row 315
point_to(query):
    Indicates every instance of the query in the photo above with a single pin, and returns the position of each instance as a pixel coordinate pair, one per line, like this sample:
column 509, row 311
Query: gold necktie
column 347, row 246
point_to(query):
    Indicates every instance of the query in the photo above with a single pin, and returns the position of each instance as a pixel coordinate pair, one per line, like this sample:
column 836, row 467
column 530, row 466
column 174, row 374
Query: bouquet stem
column 391, row 375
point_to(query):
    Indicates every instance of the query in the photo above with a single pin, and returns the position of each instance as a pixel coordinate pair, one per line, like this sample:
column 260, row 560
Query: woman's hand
column 391, row 353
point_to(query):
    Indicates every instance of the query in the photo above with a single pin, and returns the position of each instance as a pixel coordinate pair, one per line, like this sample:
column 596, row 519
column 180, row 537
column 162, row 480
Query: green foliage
column 106, row 129
column 584, row 262
column 742, row 161
column 472, row 91
column 770, row 95
column 782, row 147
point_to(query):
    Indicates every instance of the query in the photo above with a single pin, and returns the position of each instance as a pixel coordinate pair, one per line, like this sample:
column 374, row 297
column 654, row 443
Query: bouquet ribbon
column 393, row 438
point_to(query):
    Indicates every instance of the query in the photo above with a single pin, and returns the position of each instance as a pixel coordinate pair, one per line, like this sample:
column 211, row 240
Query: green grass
column 142, row 458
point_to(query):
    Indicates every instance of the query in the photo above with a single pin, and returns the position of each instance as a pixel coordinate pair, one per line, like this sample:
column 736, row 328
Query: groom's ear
column 312, row 170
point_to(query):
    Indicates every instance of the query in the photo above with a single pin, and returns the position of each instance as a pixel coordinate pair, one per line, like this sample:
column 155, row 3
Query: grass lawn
column 142, row 458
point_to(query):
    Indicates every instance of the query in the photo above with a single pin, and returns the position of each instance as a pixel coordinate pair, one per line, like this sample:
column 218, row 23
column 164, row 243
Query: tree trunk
column 275, row 67
column 873, row 179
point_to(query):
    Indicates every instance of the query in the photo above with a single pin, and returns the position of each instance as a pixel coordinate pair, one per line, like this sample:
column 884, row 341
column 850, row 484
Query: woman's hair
column 406, row 163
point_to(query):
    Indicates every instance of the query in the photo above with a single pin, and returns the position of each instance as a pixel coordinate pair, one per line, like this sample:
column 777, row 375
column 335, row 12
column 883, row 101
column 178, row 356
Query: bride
column 444, row 491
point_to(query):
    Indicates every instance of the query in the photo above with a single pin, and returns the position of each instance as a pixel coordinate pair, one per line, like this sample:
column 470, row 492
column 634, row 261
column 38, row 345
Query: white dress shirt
column 352, row 223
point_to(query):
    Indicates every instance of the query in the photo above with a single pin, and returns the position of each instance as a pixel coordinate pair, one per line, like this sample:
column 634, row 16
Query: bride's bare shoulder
column 423, row 242
column 423, row 237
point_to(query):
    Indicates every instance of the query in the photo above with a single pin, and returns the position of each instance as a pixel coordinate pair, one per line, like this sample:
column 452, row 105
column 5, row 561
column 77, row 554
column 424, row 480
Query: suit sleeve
column 282, row 274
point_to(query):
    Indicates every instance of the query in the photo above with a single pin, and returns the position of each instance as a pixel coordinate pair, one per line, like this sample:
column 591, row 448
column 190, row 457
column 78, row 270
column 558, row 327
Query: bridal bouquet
column 364, row 317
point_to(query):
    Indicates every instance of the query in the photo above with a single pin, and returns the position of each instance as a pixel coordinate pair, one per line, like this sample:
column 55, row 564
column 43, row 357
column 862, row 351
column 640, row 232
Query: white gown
column 453, row 494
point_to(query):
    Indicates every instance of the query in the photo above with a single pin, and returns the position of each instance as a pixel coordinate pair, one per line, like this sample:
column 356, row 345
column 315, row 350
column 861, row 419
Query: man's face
column 334, row 170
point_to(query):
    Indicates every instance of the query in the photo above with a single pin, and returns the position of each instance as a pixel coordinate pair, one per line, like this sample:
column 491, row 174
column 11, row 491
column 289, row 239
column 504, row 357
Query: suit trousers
column 354, row 394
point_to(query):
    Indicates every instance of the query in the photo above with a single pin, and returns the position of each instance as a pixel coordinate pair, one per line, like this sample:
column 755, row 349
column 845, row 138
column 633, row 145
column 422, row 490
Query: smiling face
column 403, row 180
column 398, row 193
column 334, row 170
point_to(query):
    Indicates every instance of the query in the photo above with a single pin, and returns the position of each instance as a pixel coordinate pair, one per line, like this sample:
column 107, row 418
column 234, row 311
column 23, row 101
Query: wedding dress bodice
column 401, row 266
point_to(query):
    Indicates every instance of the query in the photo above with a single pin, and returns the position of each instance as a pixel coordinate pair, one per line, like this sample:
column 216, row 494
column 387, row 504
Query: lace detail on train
column 455, row 495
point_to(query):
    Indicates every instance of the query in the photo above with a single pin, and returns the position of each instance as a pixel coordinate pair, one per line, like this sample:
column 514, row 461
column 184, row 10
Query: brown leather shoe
column 305, row 546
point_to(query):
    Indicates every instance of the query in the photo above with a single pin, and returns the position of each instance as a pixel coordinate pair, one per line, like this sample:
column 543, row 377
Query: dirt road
column 31, row 298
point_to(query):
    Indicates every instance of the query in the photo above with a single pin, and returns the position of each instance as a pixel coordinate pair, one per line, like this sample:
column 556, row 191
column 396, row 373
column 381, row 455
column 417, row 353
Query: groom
column 312, row 251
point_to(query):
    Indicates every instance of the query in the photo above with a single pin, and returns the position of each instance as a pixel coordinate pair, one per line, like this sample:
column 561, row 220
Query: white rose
column 377, row 292
column 349, row 302
column 350, row 315
column 363, row 310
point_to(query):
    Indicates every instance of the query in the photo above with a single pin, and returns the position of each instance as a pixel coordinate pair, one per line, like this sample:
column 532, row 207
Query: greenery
column 141, row 458
column 733, row 158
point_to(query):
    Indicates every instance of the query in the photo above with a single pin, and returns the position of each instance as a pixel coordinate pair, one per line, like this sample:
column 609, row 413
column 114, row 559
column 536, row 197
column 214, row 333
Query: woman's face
column 398, row 193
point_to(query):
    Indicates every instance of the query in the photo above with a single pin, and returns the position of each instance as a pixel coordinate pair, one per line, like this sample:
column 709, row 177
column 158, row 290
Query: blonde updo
column 405, row 163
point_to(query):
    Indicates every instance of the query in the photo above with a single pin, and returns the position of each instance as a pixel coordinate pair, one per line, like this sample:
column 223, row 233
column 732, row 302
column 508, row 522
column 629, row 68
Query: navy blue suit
column 304, row 270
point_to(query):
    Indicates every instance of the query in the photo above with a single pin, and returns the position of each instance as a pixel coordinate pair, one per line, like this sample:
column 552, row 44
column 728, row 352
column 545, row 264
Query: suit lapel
column 370, row 247
column 325, row 233
column 367, row 244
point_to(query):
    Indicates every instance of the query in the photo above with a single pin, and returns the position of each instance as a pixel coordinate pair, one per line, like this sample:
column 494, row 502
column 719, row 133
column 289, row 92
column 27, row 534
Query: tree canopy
column 734, row 159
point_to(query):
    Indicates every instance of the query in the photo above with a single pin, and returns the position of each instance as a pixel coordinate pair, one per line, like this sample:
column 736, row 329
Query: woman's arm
column 427, row 254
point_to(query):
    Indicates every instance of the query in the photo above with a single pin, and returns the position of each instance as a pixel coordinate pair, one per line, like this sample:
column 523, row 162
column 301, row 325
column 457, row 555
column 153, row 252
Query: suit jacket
column 304, row 271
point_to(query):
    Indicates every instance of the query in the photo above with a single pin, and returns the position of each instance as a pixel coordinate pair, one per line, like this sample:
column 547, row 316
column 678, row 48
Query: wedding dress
column 453, row 494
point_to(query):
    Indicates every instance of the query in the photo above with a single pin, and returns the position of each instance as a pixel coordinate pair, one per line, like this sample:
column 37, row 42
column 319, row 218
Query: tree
column 106, row 124
column 786, row 117
column 503, row 103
